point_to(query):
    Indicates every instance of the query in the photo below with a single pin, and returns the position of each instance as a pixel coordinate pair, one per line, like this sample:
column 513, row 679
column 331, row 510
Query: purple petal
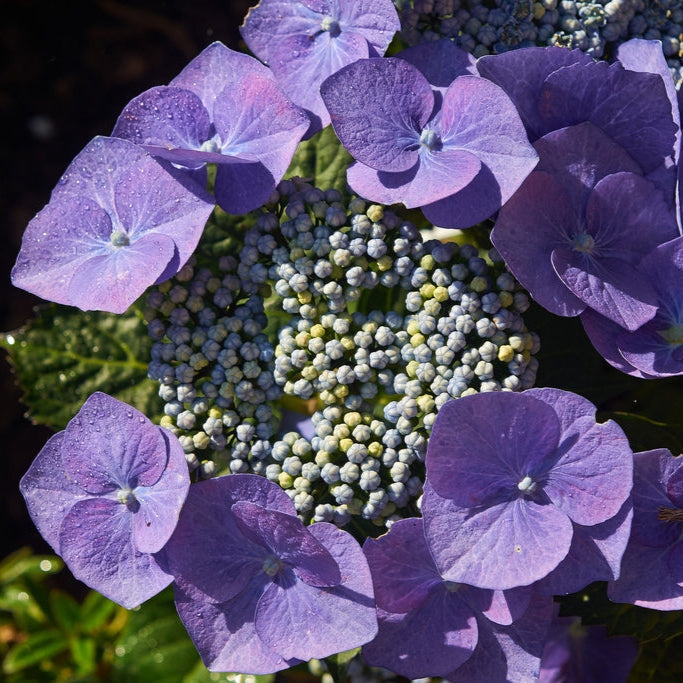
column 631, row 107
column 479, row 117
column 536, row 220
column 593, row 476
column 379, row 127
column 48, row 491
column 440, row 62
column 114, row 280
column 509, row 653
column 611, row 286
column 522, row 73
column 110, row 445
column 499, row 547
column 221, row 561
column 224, row 633
column 375, row 20
column 604, row 334
column 595, row 554
column 60, row 238
column 482, row 446
column 288, row 539
column 160, row 505
column 302, row 621
column 403, row 571
column 568, row 407
column 500, row 607
column 447, row 637
column 166, row 117
column 97, row 545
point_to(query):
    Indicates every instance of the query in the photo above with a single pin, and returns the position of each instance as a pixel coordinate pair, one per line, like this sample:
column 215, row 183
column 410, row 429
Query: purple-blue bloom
column 509, row 475
column 652, row 567
column 224, row 108
column 656, row 348
column 409, row 149
column 256, row 589
column 305, row 41
column 465, row 633
column 106, row 494
column 117, row 222
column 585, row 653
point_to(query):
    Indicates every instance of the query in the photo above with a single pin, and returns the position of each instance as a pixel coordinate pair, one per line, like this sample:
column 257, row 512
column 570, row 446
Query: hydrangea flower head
column 117, row 222
column 258, row 591
column 472, row 153
column 466, row 633
column 106, row 493
column 223, row 108
column 508, row 477
column 652, row 567
column 305, row 41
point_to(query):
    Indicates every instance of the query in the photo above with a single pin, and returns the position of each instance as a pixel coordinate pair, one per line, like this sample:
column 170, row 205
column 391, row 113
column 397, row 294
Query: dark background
column 67, row 68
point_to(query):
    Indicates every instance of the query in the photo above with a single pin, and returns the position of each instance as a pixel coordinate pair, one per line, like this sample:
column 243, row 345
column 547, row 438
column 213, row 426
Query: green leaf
column 37, row 648
column 323, row 160
column 24, row 563
column 84, row 654
column 66, row 611
column 96, row 610
column 64, row 355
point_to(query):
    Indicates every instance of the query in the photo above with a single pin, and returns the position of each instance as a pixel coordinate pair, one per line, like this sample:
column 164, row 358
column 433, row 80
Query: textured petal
column 536, row 220
column 509, row 653
column 60, row 238
column 522, row 73
column 114, row 280
column 593, row 475
column 165, row 117
column 482, row 446
column 447, row 631
column 110, row 445
column 289, row 540
column 304, row 622
column 611, row 286
column 499, row 547
column 380, row 127
column 48, row 490
column 96, row 543
column 403, row 571
column 595, row 555
column 632, row 108
column 160, row 505
column 500, row 607
column 224, row 633
column 479, row 117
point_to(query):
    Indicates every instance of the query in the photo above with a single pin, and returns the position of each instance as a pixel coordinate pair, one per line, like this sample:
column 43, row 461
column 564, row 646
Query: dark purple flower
column 652, row 566
column 106, row 494
column 656, row 348
column 259, row 591
column 510, row 475
column 585, row 653
column 305, row 41
column 553, row 87
column 117, row 222
column 224, row 108
column 576, row 230
column 431, row 627
column 406, row 152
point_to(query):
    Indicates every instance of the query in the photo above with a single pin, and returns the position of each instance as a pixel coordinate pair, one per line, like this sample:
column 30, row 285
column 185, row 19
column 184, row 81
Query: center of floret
column 213, row 146
column 451, row 586
column 584, row 242
column 526, row 485
column 670, row 514
column 271, row 565
column 119, row 238
column 673, row 335
column 127, row 497
column 430, row 139
column 331, row 25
